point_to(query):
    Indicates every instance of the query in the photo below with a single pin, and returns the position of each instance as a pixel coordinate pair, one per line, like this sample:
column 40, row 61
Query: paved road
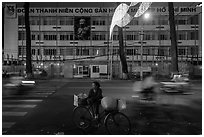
column 171, row 114
column 17, row 105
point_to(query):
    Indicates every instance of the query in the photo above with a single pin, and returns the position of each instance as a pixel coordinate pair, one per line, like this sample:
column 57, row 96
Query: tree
column 174, row 54
column 122, row 53
column 28, row 41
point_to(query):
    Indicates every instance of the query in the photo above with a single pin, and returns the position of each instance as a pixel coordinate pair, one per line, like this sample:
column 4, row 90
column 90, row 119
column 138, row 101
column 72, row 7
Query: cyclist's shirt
column 95, row 95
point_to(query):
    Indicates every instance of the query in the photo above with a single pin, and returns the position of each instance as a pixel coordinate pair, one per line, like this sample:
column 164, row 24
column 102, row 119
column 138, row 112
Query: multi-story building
column 74, row 41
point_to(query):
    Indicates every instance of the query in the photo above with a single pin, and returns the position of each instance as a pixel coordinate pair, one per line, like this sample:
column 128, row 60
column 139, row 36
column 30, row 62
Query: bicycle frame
column 103, row 117
column 101, row 114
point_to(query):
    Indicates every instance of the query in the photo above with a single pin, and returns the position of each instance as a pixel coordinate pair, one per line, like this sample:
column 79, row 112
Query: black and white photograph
column 82, row 28
column 101, row 68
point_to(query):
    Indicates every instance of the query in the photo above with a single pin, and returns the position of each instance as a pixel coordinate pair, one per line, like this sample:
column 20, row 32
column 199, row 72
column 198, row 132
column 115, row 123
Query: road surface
column 47, row 109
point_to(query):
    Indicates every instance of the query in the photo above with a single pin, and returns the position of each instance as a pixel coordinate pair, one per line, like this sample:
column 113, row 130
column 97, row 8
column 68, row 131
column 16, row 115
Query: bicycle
column 115, row 121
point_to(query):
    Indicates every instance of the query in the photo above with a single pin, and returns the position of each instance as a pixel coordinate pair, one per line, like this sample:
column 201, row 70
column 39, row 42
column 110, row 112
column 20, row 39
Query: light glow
column 147, row 15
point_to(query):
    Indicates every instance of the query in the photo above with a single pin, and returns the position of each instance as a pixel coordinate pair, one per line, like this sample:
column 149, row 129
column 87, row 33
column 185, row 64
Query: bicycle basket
column 80, row 100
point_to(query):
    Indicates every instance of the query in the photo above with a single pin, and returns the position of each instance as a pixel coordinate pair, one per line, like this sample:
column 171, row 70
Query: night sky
column 96, row 4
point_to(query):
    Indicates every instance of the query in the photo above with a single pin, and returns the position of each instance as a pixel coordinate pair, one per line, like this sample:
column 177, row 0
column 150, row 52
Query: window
column 163, row 20
column 34, row 20
column 69, row 51
column 33, row 51
column 85, row 70
column 152, row 51
column 115, row 51
column 147, row 36
column 95, row 36
column 98, row 21
column 181, row 52
column 153, row 35
column 50, row 36
column 21, row 35
column 21, row 20
column 146, row 51
column 32, row 37
column 38, row 51
column 85, row 52
column 115, row 37
column 192, row 50
column 38, row 37
column 71, row 37
column 99, row 51
column 192, row 35
column 103, row 37
column 78, row 51
column 129, row 37
column 193, row 20
column 182, row 35
column 98, row 36
column 35, row 35
column 65, row 20
column 137, row 51
column 49, row 20
column 82, row 51
column 161, row 52
column 62, row 51
column 66, row 51
column 132, row 35
column 129, row 52
column 50, row 51
column 162, row 36
column 21, row 50
column 181, row 20
column 64, row 37
column 102, row 51
column 95, row 69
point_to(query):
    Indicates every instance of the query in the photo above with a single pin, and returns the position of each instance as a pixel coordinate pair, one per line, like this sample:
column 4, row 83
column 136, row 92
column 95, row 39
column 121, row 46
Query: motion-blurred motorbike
column 17, row 85
column 147, row 89
column 179, row 83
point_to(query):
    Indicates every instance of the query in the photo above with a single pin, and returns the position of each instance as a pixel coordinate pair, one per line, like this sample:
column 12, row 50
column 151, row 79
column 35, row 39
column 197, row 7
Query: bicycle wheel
column 117, row 124
column 82, row 117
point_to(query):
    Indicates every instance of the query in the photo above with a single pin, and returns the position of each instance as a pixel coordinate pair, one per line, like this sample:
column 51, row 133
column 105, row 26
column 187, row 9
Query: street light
column 146, row 16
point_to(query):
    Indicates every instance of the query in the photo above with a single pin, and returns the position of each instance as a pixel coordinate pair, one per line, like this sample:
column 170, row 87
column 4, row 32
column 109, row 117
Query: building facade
column 74, row 42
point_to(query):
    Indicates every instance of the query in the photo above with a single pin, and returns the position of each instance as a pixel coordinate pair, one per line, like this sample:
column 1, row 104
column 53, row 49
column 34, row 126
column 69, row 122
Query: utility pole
column 28, row 41
column 3, row 8
column 174, row 54
column 141, row 52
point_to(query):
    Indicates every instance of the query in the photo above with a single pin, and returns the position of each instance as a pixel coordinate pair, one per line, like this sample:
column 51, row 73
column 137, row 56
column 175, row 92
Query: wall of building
column 10, row 32
column 50, row 44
